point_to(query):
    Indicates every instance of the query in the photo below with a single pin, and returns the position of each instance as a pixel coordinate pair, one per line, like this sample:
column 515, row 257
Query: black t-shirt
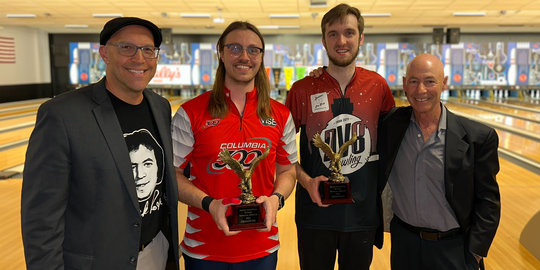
column 147, row 162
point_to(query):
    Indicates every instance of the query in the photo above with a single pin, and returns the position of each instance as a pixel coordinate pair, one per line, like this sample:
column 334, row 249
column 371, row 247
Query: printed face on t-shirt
column 145, row 170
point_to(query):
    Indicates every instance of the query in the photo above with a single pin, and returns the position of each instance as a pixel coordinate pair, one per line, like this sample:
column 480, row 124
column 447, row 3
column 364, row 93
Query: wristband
column 281, row 200
column 205, row 204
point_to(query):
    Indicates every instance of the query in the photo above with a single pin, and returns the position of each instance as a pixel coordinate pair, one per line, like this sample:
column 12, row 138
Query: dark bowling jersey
column 319, row 106
column 198, row 138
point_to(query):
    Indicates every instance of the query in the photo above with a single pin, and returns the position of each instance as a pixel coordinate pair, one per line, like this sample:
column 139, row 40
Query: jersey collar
column 249, row 95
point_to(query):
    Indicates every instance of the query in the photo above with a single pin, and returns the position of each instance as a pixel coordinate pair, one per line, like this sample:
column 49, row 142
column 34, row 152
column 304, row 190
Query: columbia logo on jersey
column 269, row 122
column 244, row 152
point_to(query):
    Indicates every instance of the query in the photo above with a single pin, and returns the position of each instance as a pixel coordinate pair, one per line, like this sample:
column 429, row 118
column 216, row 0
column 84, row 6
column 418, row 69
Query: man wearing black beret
column 99, row 188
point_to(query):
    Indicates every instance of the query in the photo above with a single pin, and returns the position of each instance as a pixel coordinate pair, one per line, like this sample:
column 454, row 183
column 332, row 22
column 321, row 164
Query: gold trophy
column 247, row 215
column 337, row 190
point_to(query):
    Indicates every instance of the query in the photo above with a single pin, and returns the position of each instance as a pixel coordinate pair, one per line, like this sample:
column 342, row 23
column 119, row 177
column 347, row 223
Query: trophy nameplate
column 248, row 214
column 337, row 190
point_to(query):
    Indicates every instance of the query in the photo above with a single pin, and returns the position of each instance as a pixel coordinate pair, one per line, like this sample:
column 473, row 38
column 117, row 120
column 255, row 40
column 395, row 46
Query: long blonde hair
column 218, row 105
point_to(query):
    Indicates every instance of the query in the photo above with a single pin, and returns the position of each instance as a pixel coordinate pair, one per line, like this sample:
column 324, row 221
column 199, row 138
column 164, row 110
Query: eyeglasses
column 129, row 50
column 237, row 49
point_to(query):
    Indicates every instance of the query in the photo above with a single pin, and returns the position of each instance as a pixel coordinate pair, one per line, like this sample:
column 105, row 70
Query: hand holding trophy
column 247, row 215
column 337, row 190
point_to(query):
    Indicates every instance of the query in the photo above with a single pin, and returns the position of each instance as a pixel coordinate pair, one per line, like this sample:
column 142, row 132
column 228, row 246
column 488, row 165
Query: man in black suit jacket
column 441, row 169
column 99, row 189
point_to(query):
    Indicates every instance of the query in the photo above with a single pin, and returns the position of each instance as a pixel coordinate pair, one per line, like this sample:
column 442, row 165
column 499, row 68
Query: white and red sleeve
column 182, row 137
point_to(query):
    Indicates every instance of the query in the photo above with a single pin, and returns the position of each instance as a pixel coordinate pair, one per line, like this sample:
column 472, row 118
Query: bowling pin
column 74, row 68
column 512, row 71
column 382, row 63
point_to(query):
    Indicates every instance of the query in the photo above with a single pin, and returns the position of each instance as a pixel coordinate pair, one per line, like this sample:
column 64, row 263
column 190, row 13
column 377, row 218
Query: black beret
column 116, row 24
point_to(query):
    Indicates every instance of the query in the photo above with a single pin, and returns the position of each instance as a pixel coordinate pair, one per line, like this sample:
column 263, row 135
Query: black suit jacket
column 79, row 207
column 471, row 164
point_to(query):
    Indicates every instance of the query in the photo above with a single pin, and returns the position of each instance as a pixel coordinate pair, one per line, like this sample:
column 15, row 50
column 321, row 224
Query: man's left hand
column 271, row 205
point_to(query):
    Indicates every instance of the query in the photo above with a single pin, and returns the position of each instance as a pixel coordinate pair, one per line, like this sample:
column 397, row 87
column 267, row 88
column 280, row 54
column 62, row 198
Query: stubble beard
column 345, row 62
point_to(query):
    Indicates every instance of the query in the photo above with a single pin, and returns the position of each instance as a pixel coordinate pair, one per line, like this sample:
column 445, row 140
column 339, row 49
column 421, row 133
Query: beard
column 344, row 62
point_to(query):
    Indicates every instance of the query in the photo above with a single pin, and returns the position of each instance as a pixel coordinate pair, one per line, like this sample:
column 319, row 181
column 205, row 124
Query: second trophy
column 249, row 214
column 337, row 190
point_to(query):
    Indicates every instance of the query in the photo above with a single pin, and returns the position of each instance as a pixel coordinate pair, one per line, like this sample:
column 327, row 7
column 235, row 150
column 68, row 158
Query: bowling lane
column 11, row 109
column 497, row 118
column 18, row 111
column 526, row 147
column 519, row 145
column 15, row 156
column 15, row 135
column 18, row 104
column 12, row 157
column 17, row 121
column 528, row 103
column 505, row 110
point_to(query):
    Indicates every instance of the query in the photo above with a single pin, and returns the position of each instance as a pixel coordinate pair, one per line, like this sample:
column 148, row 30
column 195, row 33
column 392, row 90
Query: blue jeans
column 268, row 262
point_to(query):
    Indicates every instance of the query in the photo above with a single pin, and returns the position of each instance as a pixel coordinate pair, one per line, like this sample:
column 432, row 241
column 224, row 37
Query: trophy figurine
column 337, row 190
column 247, row 215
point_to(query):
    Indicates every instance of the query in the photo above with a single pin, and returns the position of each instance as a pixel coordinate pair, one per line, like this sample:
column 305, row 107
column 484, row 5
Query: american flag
column 7, row 50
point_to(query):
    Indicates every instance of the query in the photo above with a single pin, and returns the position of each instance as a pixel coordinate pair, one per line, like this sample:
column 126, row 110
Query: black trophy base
column 335, row 193
column 246, row 217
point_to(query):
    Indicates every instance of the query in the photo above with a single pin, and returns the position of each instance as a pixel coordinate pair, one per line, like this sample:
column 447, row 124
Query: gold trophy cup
column 337, row 190
column 247, row 215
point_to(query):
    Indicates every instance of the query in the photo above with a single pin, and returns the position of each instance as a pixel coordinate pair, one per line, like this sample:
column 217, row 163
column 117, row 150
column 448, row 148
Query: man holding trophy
column 239, row 147
column 329, row 111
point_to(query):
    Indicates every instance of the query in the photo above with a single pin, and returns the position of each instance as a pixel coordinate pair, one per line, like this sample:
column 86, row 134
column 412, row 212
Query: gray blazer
column 471, row 164
column 79, row 207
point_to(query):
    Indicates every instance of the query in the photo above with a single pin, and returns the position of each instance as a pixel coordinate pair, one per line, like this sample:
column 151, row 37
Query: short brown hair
column 339, row 12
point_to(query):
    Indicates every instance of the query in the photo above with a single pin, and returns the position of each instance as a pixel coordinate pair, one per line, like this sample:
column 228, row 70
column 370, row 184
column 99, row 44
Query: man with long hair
column 236, row 116
column 344, row 101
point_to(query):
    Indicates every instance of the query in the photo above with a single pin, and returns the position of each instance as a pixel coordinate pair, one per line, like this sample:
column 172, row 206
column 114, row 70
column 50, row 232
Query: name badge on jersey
column 319, row 102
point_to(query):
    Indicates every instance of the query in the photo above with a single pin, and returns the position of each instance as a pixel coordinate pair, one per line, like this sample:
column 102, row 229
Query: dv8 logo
column 243, row 156
column 338, row 131
column 335, row 137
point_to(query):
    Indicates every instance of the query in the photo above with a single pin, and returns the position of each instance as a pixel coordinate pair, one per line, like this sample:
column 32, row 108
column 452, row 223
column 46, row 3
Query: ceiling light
column 317, row 3
column 219, row 19
column 284, row 16
column 21, row 15
column 278, row 26
column 376, row 14
column 434, row 25
column 268, row 27
column 107, row 15
column 76, row 26
column 469, row 14
column 289, row 26
column 194, row 15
